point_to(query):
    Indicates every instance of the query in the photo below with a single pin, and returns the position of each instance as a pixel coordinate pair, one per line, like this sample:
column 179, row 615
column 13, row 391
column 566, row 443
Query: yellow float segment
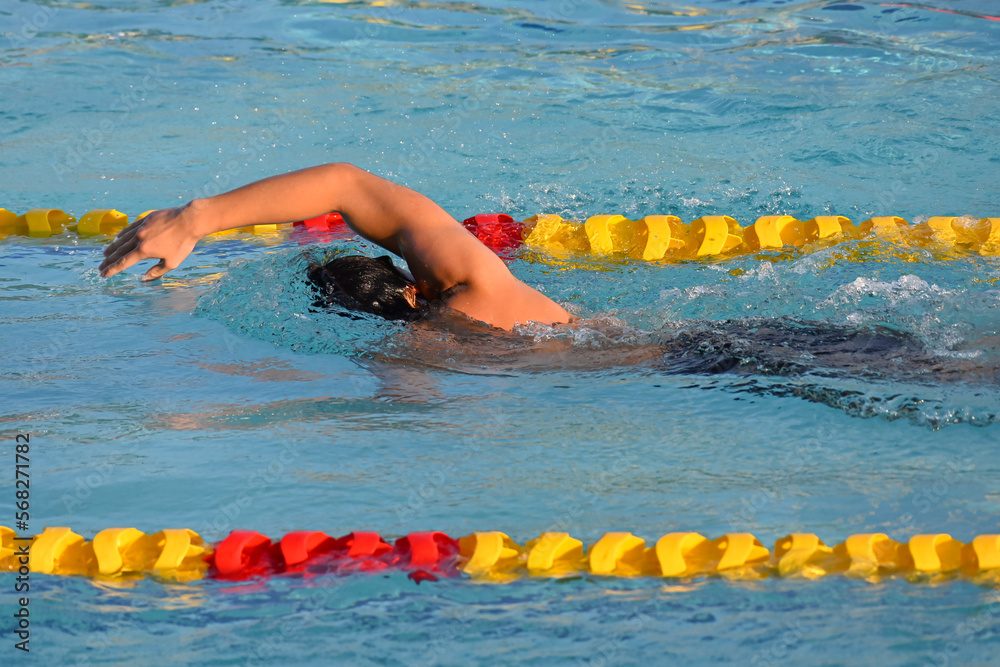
column 260, row 229
column 714, row 235
column 8, row 220
column 44, row 222
column 179, row 548
column 870, row 552
column 993, row 235
column 554, row 553
column 935, row 553
column 621, row 554
column 109, row 546
column 665, row 235
column 775, row 231
column 887, row 226
column 740, row 550
column 991, row 246
column 489, row 553
column 11, row 224
column 971, row 231
column 826, row 226
column 61, row 551
column 8, row 550
column 678, row 554
column 986, row 550
column 609, row 234
column 101, row 221
column 806, row 555
column 794, row 542
column 939, row 229
column 601, row 232
column 553, row 234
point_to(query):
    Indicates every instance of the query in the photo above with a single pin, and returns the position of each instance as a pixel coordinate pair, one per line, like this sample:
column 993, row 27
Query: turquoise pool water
column 154, row 405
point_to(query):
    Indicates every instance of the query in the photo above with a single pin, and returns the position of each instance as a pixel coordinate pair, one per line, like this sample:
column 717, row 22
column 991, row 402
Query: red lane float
column 328, row 222
column 426, row 555
column 497, row 231
column 325, row 228
column 246, row 553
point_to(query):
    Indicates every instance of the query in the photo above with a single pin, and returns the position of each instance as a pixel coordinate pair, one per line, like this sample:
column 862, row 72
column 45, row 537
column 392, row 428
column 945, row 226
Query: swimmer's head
column 372, row 285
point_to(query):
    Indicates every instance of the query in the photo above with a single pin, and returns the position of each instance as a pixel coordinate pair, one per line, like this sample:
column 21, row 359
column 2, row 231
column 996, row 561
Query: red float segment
column 430, row 550
column 241, row 553
column 362, row 551
column 301, row 545
column 326, row 228
column 247, row 553
column 362, row 544
column 325, row 222
column 497, row 231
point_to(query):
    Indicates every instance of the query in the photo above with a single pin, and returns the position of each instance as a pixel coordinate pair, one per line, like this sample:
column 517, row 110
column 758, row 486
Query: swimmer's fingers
column 124, row 236
column 126, row 243
column 157, row 270
column 123, row 258
column 114, row 254
column 132, row 254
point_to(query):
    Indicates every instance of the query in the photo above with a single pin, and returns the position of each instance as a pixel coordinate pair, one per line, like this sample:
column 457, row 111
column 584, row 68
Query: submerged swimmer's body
column 742, row 347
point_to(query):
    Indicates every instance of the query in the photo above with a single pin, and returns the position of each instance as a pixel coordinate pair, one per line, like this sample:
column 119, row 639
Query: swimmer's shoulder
column 504, row 304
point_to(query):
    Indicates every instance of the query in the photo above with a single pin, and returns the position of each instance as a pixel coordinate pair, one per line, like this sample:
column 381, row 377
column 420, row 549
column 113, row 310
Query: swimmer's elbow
column 344, row 177
column 341, row 171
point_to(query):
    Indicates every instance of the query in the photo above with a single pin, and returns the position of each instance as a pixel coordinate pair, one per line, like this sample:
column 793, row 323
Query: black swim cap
column 373, row 285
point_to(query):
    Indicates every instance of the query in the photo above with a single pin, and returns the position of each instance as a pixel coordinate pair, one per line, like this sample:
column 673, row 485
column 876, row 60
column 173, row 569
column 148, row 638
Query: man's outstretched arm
column 169, row 234
column 440, row 253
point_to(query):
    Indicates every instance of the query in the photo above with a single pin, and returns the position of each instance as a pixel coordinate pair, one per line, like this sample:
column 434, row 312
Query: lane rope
column 653, row 238
column 181, row 554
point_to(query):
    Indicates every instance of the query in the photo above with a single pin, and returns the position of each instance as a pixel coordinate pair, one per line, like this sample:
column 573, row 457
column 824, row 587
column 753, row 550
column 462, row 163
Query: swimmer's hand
column 168, row 235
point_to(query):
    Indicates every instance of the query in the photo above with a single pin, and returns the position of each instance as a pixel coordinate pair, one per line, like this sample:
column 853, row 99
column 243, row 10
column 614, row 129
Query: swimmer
column 452, row 271
column 449, row 266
